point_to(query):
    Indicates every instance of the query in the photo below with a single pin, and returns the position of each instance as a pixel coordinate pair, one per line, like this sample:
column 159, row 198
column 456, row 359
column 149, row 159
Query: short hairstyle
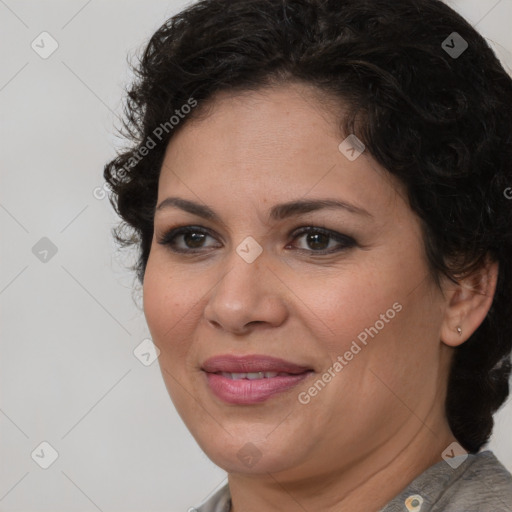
column 434, row 113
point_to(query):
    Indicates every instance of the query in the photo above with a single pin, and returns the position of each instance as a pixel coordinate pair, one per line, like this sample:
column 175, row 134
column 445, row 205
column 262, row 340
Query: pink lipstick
column 251, row 379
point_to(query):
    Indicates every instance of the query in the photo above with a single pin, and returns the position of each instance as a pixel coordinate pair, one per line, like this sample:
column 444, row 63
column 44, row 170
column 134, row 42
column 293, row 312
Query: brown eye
column 192, row 238
column 318, row 239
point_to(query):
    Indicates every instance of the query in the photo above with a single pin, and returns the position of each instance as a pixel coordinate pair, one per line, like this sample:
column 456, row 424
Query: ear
column 468, row 304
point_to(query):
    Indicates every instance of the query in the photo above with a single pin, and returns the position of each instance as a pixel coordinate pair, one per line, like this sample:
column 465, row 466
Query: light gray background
column 69, row 326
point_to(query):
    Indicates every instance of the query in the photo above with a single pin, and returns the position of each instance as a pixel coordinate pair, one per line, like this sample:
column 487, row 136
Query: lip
column 251, row 363
column 245, row 391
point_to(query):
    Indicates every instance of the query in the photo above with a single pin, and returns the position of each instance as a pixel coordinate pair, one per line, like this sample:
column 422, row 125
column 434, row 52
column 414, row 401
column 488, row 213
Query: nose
column 248, row 294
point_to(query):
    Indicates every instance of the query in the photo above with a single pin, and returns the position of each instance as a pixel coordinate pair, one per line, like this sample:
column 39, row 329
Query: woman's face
column 358, row 315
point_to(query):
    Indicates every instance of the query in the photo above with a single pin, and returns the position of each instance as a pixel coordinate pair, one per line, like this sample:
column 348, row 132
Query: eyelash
column 347, row 242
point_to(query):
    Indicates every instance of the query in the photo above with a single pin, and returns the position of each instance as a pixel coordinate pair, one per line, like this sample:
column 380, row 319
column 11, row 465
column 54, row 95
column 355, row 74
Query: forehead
column 277, row 107
column 274, row 144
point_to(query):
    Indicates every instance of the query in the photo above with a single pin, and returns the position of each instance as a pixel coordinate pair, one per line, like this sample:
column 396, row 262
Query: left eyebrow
column 277, row 212
column 299, row 207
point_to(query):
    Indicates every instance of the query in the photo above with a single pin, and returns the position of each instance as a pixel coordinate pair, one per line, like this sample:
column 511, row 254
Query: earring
column 459, row 330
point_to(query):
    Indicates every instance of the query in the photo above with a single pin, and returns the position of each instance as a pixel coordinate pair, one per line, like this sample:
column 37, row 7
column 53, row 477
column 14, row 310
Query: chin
column 243, row 456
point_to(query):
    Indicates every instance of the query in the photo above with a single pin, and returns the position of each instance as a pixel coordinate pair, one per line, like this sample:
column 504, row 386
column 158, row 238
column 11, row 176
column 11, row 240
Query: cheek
column 162, row 302
column 155, row 301
column 171, row 306
column 352, row 303
column 377, row 308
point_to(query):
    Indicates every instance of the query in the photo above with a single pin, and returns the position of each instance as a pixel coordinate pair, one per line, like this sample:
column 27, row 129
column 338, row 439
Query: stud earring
column 459, row 330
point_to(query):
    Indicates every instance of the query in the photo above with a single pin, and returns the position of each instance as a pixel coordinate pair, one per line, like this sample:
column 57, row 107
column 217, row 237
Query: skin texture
column 379, row 422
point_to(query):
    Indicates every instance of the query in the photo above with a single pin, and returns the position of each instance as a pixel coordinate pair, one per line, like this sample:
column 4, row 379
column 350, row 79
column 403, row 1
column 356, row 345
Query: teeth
column 255, row 375
column 251, row 375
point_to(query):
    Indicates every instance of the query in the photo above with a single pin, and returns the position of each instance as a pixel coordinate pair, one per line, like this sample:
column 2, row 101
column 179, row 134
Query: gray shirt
column 475, row 483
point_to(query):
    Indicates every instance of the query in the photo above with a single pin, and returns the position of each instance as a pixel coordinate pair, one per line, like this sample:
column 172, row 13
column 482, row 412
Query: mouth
column 254, row 375
column 251, row 379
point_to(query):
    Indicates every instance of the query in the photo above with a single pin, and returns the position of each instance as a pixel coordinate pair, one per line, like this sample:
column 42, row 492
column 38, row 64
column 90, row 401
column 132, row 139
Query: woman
column 317, row 190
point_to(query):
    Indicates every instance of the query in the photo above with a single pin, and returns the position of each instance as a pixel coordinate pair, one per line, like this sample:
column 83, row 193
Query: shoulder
column 218, row 501
column 483, row 485
column 468, row 483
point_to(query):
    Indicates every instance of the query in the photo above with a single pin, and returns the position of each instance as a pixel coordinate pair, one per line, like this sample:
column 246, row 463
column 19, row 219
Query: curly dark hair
column 438, row 120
